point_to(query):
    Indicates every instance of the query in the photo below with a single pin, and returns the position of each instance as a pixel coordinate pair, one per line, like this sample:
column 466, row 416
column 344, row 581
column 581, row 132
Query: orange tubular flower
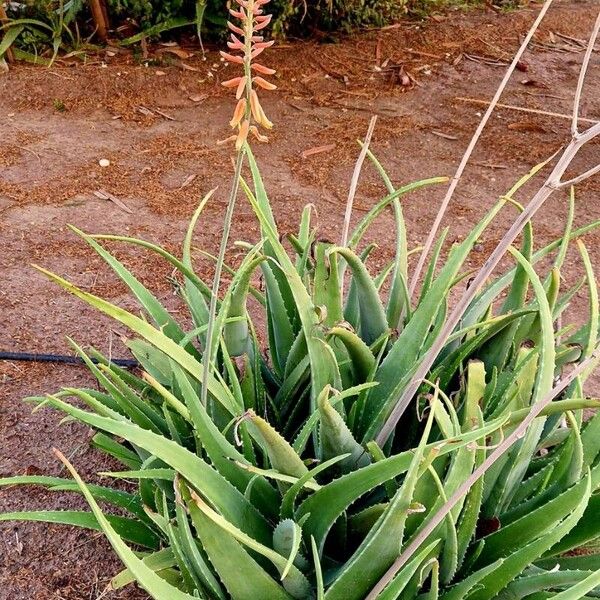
column 249, row 115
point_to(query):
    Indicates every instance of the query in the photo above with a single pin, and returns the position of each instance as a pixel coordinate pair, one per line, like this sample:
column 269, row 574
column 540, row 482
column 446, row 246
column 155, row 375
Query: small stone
column 104, row 162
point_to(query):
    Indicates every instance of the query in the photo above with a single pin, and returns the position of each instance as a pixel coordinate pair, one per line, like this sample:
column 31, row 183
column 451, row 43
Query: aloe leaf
column 197, row 563
column 289, row 499
column 116, row 449
column 592, row 325
column 462, row 590
column 154, row 336
column 433, row 261
column 496, row 354
column 535, row 524
column 321, row 373
column 157, row 587
column 516, row 562
column 9, row 37
column 237, row 334
column 445, row 370
column 587, row 530
column 366, row 221
column 157, row 561
column 197, row 296
column 539, row 581
column 282, row 456
column 399, row 298
column 522, row 453
column 487, row 295
column 281, row 331
column 360, row 354
column 221, row 452
column 336, row 438
column 373, row 321
column 118, row 498
column 394, row 372
column 166, row 474
column 310, row 424
column 293, row 581
column 207, row 480
column 147, row 299
column 287, row 538
column 318, row 570
column 326, row 284
column 583, row 562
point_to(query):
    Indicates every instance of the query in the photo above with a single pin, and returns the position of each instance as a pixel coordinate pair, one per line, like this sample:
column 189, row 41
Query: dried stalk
column 582, row 73
column 355, row 179
column 465, row 159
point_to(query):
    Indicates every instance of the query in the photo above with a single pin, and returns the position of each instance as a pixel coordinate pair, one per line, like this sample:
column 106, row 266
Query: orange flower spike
column 242, row 135
column 263, row 83
column 238, row 114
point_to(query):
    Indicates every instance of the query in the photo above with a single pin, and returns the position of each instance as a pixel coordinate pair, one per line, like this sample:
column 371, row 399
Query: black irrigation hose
column 63, row 358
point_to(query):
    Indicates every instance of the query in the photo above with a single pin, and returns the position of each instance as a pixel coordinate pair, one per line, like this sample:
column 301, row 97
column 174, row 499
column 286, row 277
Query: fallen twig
column 535, row 111
column 317, row 150
column 103, row 195
column 446, row 136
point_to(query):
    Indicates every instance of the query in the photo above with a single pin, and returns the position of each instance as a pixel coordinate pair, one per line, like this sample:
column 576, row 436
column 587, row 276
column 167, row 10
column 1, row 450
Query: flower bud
column 242, row 135
column 241, row 87
column 234, row 28
column 231, row 57
column 262, row 69
column 238, row 114
column 232, row 83
column 263, row 83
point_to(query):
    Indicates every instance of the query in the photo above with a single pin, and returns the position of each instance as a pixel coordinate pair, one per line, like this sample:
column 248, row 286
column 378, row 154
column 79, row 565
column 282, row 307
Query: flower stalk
column 247, row 118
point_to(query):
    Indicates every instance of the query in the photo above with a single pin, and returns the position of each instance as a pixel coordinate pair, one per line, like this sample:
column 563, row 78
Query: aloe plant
column 291, row 468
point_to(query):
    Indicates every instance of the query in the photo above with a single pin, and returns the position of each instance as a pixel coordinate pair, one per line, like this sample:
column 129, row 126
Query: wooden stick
column 10, row 55
column 98, row 16
column 534, row 111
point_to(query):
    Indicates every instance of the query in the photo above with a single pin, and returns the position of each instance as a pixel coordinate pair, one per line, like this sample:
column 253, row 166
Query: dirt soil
column 157, row 118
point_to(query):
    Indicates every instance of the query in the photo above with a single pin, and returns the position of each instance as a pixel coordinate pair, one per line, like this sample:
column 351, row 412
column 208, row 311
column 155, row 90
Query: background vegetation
column 36, row 27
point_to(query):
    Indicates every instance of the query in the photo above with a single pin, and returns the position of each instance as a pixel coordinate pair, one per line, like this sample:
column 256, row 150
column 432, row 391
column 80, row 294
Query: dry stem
column 465, row 159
